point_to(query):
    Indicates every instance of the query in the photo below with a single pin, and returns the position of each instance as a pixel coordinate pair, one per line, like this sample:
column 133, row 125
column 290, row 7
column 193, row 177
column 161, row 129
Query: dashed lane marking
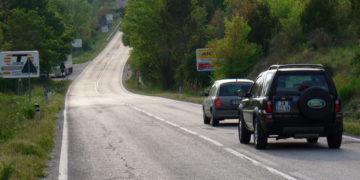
column 232, row 151
column 257, row 163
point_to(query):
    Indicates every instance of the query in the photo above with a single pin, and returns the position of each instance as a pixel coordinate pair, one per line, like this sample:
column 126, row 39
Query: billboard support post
column 20, row 87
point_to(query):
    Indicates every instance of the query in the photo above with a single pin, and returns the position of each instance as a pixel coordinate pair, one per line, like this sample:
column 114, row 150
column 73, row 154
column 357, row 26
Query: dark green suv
column 291, row 100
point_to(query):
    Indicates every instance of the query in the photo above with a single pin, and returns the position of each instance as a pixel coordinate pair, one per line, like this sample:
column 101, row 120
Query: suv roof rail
column 277, row 66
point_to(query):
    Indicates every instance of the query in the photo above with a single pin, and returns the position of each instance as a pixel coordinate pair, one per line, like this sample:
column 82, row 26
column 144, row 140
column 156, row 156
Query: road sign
column 105, row 28
column 77, row 43
column 204, row 59
column 109, row 18
column 19, row 64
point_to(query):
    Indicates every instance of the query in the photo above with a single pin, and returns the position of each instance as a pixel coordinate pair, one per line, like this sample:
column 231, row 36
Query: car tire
column 260, row 137
column 214, row 121
column 244, row 133
column 205, row 118
column 312, row 140
column 334, row 138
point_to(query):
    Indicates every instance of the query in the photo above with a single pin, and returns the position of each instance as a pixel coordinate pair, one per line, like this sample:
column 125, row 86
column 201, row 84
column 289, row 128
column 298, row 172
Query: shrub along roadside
column 25, row 142
column 192, row 96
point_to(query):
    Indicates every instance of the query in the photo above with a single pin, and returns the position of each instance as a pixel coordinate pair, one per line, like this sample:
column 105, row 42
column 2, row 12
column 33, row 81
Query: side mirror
column 241, row 93
column 204, row 94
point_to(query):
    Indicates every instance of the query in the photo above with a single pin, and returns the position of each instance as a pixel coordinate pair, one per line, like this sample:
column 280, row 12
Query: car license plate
column 235, row 102
column 283, row 106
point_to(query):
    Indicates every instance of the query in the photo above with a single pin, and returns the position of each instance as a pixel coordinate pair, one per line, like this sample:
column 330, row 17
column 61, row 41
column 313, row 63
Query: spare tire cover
column 315, row 103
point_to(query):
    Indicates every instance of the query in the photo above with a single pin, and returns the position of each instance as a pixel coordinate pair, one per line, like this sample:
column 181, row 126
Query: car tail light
column 217, row 102
column 337, row 105
column 338, row 115
column 268, row 107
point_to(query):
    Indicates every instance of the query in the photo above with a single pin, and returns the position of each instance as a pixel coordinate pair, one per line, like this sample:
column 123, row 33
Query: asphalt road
column 111, row 133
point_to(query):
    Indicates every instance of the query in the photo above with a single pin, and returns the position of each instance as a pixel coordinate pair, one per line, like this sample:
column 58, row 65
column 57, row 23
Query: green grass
column 193, row 96
column 101, row 42
column 25, row 142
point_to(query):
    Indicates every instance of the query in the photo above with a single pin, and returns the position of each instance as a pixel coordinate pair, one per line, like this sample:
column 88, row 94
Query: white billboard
column 109, row 18
column 205, row 57
column 19, row 64
column 77, row 43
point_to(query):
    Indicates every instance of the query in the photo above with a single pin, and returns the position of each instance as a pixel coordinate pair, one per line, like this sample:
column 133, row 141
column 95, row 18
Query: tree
column 141, row 27
column 320, row 14
column 235, row 54
column 77, row 16
column 29, row 31
column 163, row 34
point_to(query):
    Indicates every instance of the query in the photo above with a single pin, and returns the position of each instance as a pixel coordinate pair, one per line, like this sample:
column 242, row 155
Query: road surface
column 111, row 133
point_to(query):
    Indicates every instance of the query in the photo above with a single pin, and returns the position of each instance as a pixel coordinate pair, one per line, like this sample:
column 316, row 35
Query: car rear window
column 230, row 89
column 296, row 83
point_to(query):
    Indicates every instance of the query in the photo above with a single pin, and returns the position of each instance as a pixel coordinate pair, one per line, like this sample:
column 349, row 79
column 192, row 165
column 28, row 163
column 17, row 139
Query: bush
column 6, row 172
column 28, row 112
column 347, row 92
column 319, row 38
column 320, row 14
column 350, row 90
column 355, row 63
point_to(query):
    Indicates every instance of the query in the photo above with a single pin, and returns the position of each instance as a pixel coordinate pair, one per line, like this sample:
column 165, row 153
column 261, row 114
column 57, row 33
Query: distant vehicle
column 63, row 69
column 293, row 100
column 223, row 99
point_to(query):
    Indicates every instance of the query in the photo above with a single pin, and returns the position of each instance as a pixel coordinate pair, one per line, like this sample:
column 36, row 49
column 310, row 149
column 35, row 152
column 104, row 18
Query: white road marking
column 64, row 158
column 236, row 153
column 63, row 164
column 101, row 75
column 189, row 131
column 257, row 163
column 301, row 176
column 210, row 140
column 352, row 138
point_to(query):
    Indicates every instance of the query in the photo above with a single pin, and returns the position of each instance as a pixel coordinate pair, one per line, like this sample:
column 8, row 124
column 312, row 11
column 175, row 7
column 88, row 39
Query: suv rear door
column 288, row 87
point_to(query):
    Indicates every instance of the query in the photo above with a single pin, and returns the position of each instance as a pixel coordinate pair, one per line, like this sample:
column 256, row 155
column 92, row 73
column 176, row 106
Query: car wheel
column 334, row 138
column 260, row 137
column 206, row 119
column 214, row 121
column 244, row 134
column 312, row 140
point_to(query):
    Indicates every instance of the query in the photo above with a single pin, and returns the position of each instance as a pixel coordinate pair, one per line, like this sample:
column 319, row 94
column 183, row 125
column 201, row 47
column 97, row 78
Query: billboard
column 19, row 64
column 77, row 43
column 109, row 18
column 104, row 29
column 204, row 59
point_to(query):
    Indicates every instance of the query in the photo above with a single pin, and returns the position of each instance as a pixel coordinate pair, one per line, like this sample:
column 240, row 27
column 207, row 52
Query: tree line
column 50, row 26
column 164, row 34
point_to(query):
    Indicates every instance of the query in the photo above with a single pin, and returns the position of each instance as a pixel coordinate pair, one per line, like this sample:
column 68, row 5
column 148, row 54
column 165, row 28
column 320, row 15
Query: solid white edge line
column 63, row 164
column 188, row 131
column 352, row 138
column 210, row 140
column 270, row 169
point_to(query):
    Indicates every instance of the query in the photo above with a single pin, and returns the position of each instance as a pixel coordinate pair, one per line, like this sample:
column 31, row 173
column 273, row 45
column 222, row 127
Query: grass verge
column 25, row 142
column 193, row 97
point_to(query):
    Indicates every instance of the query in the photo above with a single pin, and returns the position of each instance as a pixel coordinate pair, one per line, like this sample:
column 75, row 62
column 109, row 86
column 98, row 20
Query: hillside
column 248, row 36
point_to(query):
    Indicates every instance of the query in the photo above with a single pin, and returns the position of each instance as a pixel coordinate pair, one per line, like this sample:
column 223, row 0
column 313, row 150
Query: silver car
column 223, row 100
